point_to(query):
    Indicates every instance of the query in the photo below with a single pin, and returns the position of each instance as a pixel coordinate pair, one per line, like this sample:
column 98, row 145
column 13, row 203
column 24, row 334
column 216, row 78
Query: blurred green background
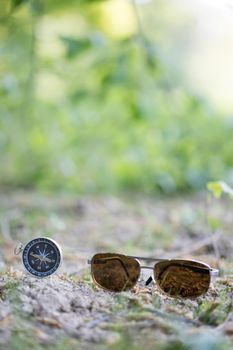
column 95, row 96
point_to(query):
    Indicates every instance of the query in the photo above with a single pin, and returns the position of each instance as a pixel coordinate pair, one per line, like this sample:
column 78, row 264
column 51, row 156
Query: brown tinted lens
column 114, row 272
column 182, row 278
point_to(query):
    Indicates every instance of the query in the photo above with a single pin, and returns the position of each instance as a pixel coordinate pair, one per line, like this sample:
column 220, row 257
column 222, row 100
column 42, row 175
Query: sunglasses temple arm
column 214, row 272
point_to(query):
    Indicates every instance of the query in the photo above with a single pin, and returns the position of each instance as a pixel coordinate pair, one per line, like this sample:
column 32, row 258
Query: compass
column 41, row 257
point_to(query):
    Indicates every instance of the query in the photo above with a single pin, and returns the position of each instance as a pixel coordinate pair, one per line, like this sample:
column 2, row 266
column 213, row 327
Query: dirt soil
column 68, row 311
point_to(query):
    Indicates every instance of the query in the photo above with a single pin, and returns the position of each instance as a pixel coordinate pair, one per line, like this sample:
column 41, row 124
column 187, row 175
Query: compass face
column 41, row 257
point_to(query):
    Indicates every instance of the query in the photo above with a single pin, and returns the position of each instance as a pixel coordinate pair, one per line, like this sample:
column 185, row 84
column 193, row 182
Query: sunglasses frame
column 212, row 271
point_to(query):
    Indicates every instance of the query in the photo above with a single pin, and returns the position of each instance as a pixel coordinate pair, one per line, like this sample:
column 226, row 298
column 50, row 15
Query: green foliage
column 102, row 113
column 217, row 188
column 24, row 339
column 213, row 313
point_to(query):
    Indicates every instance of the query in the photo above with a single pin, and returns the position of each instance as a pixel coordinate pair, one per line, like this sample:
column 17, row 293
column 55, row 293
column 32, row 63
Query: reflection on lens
column 115, row 272
column 182, row 278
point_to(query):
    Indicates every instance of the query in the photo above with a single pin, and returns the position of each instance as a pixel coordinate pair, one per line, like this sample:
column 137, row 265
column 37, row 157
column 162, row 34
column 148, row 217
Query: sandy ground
column 69, row 311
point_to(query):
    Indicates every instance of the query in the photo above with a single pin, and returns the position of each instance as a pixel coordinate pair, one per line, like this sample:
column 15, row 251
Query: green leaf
column 76, row 46
column 213, row 222
column 219, row 187
column 16, row 3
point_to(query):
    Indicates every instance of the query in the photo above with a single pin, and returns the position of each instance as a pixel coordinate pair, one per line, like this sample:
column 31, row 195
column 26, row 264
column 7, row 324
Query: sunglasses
column 174, row 277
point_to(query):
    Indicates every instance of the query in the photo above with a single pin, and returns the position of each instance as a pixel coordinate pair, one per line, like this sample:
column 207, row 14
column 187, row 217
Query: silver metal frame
column 213, row 272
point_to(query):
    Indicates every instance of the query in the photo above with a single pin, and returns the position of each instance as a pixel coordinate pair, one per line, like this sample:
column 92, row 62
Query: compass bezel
column 28, row 266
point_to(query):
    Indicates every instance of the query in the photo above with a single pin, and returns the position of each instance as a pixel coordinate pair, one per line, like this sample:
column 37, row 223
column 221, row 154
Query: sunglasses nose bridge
column 151, row 278
column 147, row 267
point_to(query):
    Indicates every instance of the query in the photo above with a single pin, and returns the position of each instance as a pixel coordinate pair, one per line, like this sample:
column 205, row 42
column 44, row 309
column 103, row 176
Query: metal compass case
column 41, row 257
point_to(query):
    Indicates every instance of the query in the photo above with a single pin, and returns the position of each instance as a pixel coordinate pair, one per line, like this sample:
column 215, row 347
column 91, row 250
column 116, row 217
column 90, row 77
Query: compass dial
column 41, row 257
